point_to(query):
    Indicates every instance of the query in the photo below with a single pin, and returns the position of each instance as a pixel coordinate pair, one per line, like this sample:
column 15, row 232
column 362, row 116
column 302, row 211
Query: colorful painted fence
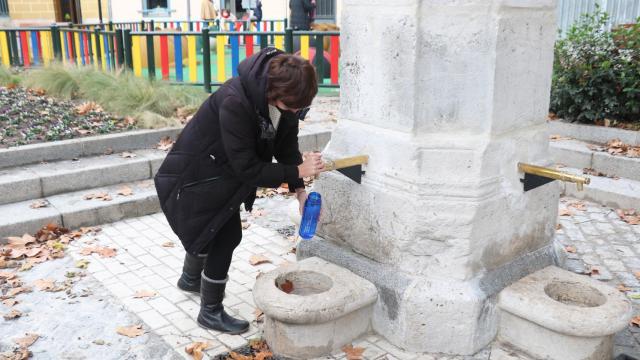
column 205, row 58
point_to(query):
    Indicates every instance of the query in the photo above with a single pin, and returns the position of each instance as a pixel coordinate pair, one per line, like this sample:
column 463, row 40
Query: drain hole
column 575, row 294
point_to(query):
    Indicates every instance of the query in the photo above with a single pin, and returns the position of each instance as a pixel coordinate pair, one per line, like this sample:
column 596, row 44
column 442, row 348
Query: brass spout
column 346, row 162
column 554, row 174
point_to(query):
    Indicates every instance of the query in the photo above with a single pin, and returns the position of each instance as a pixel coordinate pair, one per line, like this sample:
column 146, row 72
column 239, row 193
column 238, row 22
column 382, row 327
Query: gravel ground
column 29, row 116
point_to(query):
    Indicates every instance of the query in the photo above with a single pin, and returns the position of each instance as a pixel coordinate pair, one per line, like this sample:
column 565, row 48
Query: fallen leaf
column 594, row 271
column 25, row 240
column 130, row 331
column 70, row 274
column 26, row 341
column 103, row 251
column 235, row 356
column 570, row 249
column 9, row 302
column 637, row 275
column 258, row 212
column 15, row 291
column 636, row 321
column 558, row 226
column 128, row 155
column 558, row 137
column 87, row 107
column 168, row 244
column 165, row 144
column 630, row 216
column 109, row 151
column 13, row 314
column 245, row 225
column 286, row 286
column 353, row 353
column 578, row 205
column 263, row 355
column 7, row 275
column 125, row 191
column 565, row 212
column 195, row 349
column 99, row 342
column 45, row 284
column 258, row 259
column 90, row 229
column 39, row 204
column 98, row 196
column 144, row 294
column 82, row 264
column 623, row 288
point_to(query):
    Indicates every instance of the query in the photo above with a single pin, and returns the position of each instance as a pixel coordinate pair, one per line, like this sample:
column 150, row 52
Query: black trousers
column 221, row 249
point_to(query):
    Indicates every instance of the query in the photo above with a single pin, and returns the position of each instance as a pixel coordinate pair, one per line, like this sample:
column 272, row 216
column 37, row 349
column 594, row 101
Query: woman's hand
column 311, row 166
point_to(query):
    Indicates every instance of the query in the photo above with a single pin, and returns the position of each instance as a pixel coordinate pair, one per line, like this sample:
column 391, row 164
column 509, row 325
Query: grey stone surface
column 76, row 211
column 18, row 218
column 18, row 184
column 592, row 133
column 88, row 146
column 617, row 193
column 620, row 166
column 80, row 324
column 571, row 153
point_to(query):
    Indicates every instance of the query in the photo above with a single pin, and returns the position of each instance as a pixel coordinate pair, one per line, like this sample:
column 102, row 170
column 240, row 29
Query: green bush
column 596, row 73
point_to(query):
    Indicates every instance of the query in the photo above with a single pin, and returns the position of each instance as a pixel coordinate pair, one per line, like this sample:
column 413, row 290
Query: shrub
column 596, row 73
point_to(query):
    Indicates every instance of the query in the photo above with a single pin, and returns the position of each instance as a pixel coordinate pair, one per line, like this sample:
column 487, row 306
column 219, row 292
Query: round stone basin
column 575, row 294
column 303, row 282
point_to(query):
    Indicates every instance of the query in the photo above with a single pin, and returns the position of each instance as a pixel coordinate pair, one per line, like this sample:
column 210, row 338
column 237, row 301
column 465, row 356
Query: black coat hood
column 254, row 78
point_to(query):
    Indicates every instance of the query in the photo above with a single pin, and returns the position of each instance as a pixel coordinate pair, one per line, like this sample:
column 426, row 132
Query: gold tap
column 331, row 165
column 554, row 174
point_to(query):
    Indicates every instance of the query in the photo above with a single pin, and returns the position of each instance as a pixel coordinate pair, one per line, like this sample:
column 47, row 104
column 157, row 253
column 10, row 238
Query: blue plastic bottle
column 310, row 215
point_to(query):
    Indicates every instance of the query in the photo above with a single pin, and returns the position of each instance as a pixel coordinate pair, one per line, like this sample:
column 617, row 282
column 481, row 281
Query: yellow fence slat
column 78, row 56
column 193, row 61
column 4, row 49
column 94, row 50
column 44, row 41
column 136, row 57
column 279, row 39
column 304, row 46
column 64, row 48
column 221, row 41
column 102, row 54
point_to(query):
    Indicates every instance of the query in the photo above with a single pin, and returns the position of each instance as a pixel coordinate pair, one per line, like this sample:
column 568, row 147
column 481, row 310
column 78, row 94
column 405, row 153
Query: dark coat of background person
column 221, row 157
column 300, row 10
column 258, row 11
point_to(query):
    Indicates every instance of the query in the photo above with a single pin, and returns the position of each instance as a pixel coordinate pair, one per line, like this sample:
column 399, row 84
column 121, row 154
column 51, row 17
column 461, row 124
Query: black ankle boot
column 190, row 278
column 212, row 314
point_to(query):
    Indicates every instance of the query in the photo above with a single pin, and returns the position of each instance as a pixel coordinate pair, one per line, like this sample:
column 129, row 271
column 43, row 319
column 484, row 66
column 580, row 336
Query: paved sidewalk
column 144, row 261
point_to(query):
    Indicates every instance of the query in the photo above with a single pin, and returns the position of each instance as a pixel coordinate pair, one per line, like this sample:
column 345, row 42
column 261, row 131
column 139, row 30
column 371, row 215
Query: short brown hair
column 292, row 80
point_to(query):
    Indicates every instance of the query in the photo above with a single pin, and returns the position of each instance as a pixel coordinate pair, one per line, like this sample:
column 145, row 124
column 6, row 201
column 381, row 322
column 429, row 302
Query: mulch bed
column 30, row 116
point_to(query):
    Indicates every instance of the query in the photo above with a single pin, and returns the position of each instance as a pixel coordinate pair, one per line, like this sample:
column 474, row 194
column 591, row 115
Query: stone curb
column 83, row 147
column 593, row 133
column 72, row 211
column 576, row 154
column 618, row 194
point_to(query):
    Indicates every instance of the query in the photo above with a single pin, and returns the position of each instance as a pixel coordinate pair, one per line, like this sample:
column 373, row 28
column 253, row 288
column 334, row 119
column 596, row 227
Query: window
column 4, row 8
column 156, row 8
column 325, row 9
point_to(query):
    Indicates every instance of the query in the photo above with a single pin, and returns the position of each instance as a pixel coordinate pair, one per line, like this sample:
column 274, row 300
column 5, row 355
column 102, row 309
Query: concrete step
column 593, row 133
column 618, row 194
column 46, row 179
column 71, row 210
column 577, row 154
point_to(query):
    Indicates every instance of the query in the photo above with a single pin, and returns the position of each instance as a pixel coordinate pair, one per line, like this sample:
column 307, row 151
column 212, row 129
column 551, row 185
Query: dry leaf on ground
column 353, row 353
column 27, row 340
column 570, row 249
column 168, row 244
column 565, row 212
column 259, row 315
column 195, row 349
column 578, row 205
column 15, row 242
column 87, row 107
column 15, row 291
column 623, row 288
column 82, row 264
column 98, row 196
column 637, row 275
column 128, row 155
column 558, row 226
column 125, row 191
column 165, row 144
column 130, row 331
column 630, row 216
column 594, row 271
column 235, row 356
column 258, row 212
column 636, row 321
column 103, row 251
column 13, row 314
column 286, row 286
column 245, row 225
column 556, row 137
column 39, row 204
column 9, row 302
column 144, row 294
column 258, row 259
column 45, row 285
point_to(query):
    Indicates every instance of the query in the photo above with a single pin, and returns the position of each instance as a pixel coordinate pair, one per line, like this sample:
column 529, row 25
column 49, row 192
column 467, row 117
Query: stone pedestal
column 446, row 96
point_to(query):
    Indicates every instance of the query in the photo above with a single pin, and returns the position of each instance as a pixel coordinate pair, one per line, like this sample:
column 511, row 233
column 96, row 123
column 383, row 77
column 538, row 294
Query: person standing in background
column 300, row 10
column 208, row 10
column 257, row 14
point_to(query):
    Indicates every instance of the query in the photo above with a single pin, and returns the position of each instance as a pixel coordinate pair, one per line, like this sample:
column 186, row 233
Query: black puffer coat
column 222, row 155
